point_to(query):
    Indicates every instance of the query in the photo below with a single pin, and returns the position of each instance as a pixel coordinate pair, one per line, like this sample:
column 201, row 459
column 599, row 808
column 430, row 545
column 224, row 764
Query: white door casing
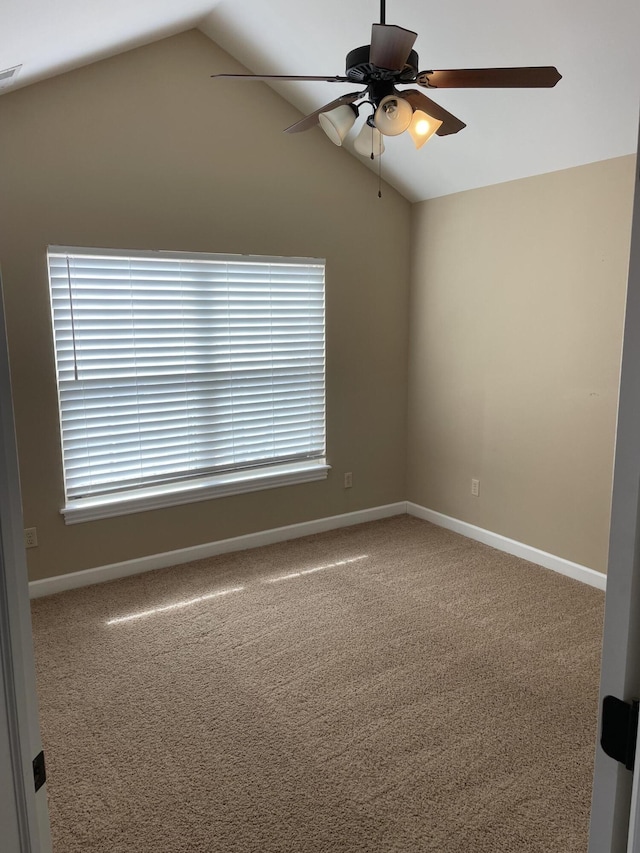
column 23, row 813
column 620, row 671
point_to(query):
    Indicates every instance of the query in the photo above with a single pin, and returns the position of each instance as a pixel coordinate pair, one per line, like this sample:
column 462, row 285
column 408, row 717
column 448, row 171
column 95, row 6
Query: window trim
column 192, row 491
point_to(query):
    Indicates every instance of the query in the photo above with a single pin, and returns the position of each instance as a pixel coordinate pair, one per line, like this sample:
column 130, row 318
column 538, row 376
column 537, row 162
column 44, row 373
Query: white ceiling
column 592, row 114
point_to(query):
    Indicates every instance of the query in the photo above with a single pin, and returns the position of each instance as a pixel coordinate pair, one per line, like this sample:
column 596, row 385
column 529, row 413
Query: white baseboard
column 511, row 546
column 49, row 586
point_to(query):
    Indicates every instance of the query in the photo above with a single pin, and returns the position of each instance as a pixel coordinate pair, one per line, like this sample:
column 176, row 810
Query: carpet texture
column 389, row 688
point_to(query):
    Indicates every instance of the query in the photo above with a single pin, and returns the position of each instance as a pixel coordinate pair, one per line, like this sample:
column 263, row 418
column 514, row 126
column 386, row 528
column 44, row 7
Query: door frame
column 620, row 667
column 25, row 819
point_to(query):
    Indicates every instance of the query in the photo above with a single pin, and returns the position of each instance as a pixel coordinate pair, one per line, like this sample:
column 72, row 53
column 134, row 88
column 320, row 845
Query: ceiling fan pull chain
column 373, row 157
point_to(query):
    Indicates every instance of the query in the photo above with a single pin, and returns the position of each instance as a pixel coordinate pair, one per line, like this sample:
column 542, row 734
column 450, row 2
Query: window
column 183, row 377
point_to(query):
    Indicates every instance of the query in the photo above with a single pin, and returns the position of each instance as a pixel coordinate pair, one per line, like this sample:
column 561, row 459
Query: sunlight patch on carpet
column 176, row 606
column 316, row 569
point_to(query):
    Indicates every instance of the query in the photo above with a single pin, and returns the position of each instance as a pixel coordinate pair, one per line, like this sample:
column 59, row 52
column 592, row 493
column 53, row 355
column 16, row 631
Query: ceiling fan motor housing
column 361, row 70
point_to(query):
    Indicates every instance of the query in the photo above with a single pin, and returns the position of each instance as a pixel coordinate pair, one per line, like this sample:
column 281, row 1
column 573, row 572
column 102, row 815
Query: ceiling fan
column 390, row 61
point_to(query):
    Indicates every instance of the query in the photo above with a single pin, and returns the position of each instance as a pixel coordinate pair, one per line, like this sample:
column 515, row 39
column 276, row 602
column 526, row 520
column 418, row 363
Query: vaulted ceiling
column 592, row 114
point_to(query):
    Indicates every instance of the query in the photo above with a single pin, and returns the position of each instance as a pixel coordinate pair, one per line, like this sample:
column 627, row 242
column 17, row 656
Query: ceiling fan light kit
column 393, row 115
column 338, row 122
column 423, row 127
column 369, row 142
column 387, row 62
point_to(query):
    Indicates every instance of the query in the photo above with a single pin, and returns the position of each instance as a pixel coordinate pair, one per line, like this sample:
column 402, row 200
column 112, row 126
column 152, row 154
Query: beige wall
column 145, row 150
column 516, row 312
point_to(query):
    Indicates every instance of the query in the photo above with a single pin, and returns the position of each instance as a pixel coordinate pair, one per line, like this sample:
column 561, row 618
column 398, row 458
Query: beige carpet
column 389, row 688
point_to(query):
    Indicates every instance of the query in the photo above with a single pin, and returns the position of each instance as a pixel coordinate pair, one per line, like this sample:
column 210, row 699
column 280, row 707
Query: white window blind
column 173, row 366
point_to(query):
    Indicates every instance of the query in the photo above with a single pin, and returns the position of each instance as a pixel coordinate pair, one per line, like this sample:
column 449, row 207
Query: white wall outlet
column 475, row 488
column 348, row 480
column 30, row 537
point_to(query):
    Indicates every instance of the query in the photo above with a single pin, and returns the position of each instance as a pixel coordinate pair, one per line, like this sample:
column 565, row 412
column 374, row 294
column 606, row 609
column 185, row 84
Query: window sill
column 191, row 491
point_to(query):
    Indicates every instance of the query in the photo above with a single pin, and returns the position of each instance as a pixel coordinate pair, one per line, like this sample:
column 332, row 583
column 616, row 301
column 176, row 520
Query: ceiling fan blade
column 334, row 79
column 544, row 76
column 390, row 46
column 450, row 124
column 312, row 119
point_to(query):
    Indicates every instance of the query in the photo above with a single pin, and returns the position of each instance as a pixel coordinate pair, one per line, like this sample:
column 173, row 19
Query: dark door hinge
column 39, row 771
column 620, row 729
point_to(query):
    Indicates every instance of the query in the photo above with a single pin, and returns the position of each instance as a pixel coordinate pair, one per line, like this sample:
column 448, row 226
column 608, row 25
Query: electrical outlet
column 475, row 488
column 30, row 537
column 348, row 480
